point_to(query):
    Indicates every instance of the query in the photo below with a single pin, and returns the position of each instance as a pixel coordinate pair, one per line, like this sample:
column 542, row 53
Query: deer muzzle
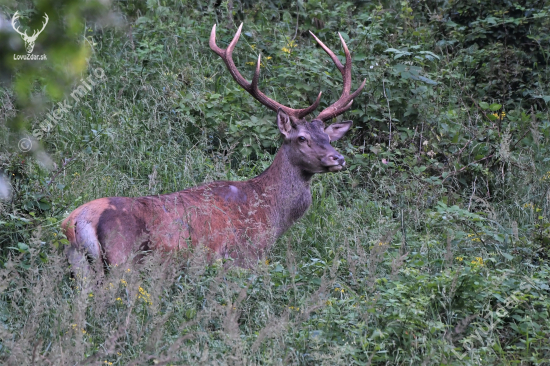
column 335, row 162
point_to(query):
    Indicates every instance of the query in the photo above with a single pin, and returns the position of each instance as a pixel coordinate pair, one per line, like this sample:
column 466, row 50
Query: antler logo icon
column 29, row 40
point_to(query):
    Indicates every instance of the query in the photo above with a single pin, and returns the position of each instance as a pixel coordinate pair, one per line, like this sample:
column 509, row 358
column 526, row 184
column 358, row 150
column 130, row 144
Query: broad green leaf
column 429, row 53
column 427, row 80
column 484, row 105
column 456, row 137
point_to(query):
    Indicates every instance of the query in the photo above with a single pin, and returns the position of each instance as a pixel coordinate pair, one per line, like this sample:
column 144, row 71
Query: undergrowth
column 432, row 248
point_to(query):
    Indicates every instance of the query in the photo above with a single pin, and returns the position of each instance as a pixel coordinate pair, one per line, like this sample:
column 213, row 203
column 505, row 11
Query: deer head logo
column 29, row 40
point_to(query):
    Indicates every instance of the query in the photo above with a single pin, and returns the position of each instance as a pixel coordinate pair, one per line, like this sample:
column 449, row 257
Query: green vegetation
column 433, row 248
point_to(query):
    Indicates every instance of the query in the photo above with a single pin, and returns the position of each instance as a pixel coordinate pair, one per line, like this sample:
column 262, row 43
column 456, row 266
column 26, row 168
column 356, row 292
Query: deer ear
column 337, row 130
column 283, row 122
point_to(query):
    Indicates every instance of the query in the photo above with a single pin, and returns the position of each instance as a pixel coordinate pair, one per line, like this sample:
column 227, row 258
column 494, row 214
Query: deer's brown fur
column 238, row 220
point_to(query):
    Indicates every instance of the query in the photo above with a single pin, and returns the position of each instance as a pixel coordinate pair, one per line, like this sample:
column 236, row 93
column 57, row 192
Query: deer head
column 29, row 40
column 307, row 143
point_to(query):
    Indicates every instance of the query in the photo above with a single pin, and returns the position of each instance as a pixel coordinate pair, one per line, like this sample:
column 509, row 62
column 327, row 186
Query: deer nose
column 338, row 158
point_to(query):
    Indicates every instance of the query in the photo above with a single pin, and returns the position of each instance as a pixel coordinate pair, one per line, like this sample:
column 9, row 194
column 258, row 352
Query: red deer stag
column 238, row 220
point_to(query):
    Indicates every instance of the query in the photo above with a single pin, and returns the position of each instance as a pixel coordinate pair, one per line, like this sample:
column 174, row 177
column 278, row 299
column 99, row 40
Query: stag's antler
column 346, row 99
column 252, row 87
column 15, row 17
column 35, row 33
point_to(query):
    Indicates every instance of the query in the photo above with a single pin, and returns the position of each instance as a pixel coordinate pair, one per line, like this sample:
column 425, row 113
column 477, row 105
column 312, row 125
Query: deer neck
column 286, row 189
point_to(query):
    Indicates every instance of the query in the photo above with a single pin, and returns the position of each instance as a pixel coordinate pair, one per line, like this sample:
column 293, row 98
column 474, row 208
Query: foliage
column 440, row 220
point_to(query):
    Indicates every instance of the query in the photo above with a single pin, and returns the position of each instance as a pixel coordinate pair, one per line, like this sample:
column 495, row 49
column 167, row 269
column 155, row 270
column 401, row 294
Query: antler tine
column 15, row 17
column 256, row 77
column 329, row 52
column 252, row 87
column 331, row 112
column 339, row 107
column 346, row 99
column 347, row 68
column 43, row 24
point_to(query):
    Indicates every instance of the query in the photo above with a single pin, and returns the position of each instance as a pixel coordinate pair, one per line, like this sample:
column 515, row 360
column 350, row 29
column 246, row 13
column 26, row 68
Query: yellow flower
column 254, row 63
column 123, row 282
column 478, row 262
column 144, row 296
column 286, row 50
column 459, row 259
column 268, row 58
column 267, row 262
column 90, row 295
column 475, row 238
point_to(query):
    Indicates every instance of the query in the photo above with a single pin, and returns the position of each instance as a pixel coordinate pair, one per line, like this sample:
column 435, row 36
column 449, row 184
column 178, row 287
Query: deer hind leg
column 84, row 253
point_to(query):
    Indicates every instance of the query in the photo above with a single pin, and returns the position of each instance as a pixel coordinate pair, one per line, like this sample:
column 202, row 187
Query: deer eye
column 301, row 139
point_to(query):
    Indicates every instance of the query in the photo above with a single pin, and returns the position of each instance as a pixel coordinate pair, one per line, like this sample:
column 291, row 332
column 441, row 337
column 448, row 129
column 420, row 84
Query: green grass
column 401, row 260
